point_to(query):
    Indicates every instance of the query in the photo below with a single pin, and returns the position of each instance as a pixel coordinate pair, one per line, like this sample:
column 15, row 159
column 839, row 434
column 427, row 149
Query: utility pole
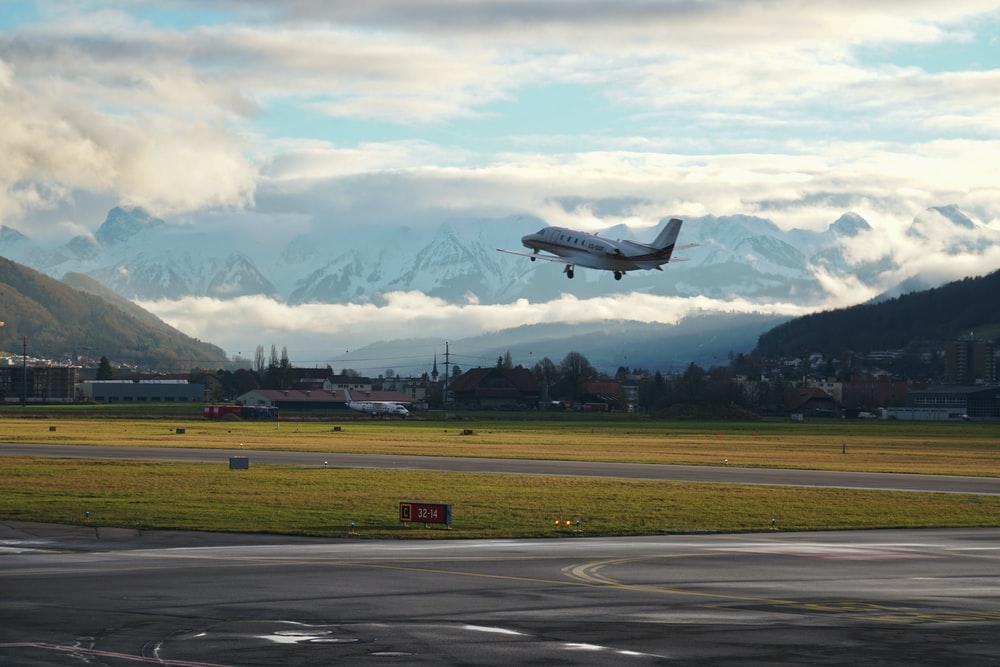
column 24, row 374
column 447, row 374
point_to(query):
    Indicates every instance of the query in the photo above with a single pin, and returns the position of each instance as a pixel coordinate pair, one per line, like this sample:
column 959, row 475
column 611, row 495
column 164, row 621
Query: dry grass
column 320, row 501
column 930, row 448
column 314, row 501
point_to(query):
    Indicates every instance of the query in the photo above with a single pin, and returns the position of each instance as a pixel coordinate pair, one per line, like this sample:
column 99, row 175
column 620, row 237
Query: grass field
column 327, row 501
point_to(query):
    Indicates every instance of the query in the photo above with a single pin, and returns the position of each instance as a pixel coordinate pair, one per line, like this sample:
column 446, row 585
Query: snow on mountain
column 122, row 225
column 17, row 247
column 143, row 257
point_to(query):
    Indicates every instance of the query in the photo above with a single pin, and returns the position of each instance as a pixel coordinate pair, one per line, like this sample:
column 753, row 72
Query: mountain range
column 136, row 256
column 143, row 257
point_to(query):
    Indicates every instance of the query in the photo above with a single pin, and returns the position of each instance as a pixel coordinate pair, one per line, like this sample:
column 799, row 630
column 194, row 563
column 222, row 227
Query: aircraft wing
column 538, row 255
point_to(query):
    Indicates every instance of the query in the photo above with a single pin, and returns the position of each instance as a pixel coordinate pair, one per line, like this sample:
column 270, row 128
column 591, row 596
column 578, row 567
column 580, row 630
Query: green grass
column 321, row 501
column 316, row 501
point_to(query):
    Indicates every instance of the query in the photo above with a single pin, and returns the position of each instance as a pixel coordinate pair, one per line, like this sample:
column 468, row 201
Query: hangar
column 141, row 391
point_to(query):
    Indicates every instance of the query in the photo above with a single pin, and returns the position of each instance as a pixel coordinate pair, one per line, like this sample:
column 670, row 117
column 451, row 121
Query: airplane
column 574, row 248
column 376, row 408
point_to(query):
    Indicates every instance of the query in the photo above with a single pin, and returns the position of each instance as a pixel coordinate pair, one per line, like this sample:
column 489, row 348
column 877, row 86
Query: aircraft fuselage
column 596, row 252
column 575, row 248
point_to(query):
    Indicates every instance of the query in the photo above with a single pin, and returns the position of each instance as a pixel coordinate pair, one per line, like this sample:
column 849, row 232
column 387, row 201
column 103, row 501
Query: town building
column 310, row 400
column 970, row 361
column 495, row 388
column 811, row 402
column 55, row 384
column 867, row 391
column 141, row 391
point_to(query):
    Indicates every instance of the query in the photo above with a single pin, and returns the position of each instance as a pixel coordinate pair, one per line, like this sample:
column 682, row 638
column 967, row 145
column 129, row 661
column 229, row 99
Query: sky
column 327, row 114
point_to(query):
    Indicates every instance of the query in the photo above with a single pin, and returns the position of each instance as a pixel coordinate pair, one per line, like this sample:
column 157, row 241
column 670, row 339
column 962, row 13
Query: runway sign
column 425, row 513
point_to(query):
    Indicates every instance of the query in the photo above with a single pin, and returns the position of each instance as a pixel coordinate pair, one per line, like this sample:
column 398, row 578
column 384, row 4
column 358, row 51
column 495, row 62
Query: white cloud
column 318, row 332
column 389, row 111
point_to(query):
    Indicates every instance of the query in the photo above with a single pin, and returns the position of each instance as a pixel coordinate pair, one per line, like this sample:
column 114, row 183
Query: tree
column 546, row 374
column 238, row 382
column 692, row 383
column 278, row 374
column 576, row 372
column 104, row 370
column 258, row 361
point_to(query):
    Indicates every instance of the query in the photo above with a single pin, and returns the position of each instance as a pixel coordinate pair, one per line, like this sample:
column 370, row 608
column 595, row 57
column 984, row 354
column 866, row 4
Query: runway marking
column 825, row 552
column 592, row 574
column 499, row 631
column 109, row 654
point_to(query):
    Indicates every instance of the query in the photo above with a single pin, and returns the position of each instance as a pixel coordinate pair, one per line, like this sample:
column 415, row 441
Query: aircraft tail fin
column 668, row 235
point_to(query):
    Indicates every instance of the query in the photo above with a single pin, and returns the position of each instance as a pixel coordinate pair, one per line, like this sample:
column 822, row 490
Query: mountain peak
column 11, row 235
column 955, row 215
column 123, row 223
column 850, row 225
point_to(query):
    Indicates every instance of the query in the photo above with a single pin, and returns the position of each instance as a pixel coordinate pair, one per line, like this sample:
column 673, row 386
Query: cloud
column 316, row 333
column 59, row 137
column 797, row 184
column 166, row 115
column 265, row 117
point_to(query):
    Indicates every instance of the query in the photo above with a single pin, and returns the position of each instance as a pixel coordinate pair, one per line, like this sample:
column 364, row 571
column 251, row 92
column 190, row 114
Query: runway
column 92, row 595
column 74, row 595
column 714, row 474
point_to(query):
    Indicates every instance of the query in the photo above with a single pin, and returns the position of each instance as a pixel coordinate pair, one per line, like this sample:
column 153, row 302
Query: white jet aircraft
column 574, row 248
column 375, row 408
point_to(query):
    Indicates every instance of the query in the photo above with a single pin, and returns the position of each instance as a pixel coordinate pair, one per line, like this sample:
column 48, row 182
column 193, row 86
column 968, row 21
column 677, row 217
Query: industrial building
column 142, row 391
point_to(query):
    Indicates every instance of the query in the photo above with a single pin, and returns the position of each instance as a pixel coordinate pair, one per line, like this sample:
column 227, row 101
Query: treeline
column 940, row 314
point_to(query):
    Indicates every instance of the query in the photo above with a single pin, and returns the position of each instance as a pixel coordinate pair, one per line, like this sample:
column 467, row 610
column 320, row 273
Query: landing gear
column 569, row 271
column 618, row 275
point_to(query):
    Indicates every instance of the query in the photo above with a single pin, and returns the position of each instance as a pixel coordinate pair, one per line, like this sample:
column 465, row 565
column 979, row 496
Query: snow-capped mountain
column 146, row 258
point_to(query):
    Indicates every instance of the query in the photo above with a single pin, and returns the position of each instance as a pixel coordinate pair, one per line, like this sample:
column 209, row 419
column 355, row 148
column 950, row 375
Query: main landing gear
column 618, row 275
column 569, row 271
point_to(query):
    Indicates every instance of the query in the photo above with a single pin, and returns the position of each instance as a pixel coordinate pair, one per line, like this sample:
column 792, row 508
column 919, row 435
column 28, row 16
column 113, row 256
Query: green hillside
column 61, row 322
column 941, row 314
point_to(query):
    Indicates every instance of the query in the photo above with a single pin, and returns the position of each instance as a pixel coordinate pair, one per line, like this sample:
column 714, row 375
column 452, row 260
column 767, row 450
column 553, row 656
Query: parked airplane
column 574, row 248
column 376, row 408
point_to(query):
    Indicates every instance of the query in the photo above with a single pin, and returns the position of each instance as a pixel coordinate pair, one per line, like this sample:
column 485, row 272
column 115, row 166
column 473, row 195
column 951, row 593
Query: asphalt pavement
column 74, row 595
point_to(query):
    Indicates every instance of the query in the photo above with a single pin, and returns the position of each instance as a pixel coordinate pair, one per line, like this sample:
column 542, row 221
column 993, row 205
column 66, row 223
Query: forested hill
column 63, row 323
column 941, row 314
